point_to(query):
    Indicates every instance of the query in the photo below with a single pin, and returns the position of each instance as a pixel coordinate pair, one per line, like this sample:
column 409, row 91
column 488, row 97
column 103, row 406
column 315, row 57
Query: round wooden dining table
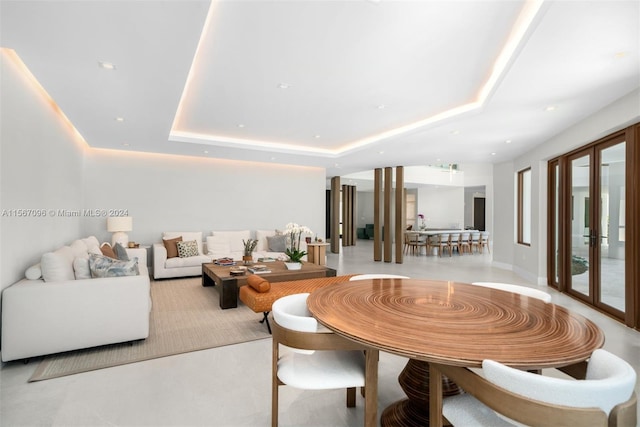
column 455, row 324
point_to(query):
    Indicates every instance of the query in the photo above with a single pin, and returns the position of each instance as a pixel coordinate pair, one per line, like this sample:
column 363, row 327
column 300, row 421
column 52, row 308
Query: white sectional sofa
column 52, row 312
column 220, row 244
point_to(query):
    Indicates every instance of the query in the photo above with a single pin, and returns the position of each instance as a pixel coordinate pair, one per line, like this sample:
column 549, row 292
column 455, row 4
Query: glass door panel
column 580, row 188
column 611, row 282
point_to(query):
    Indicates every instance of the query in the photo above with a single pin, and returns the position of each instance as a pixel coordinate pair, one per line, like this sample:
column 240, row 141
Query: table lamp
column 118, row 225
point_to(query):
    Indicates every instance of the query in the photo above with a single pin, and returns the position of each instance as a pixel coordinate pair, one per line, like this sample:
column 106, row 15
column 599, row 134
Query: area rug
column 185, row 317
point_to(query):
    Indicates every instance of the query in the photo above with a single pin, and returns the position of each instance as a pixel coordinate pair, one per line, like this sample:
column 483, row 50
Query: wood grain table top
column 455, row 324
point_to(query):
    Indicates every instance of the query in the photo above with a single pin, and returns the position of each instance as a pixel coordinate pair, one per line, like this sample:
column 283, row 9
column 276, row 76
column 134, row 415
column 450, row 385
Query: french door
column 591, row 248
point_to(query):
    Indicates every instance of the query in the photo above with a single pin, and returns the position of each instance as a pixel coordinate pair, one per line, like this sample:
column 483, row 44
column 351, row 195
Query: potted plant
column 249, row 247
column 294, row 233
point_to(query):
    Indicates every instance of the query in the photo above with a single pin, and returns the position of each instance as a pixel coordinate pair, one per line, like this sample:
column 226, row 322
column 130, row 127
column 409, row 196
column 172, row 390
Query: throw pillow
column 187, row 249
column 107, row 250
column 81, row 268
column 58, row 266
column 260, row 284
column 171, row 245
column 277, row 243
column 103, row 266
column 121, row 252
column 34, row 272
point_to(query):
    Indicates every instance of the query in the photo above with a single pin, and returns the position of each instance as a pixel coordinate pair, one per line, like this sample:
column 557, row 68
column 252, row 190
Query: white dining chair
column 484, row 241
column 518, row 289
column 518, row 396
column 465, row 242
column 475, row 241
column 454, row 242
column 317, row 358
column 376, row 276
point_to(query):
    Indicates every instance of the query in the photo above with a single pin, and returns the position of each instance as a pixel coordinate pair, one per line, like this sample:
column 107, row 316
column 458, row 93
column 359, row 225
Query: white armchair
column 524, row 397
column 340, row 364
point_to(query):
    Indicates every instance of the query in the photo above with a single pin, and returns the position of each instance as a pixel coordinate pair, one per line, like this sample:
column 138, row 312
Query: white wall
column 41, row 169
column 176, row 193
column 442, row 207
column 531, row 261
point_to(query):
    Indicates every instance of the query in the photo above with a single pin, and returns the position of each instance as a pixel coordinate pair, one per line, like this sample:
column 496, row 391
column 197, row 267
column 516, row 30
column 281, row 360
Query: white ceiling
column 369, row 83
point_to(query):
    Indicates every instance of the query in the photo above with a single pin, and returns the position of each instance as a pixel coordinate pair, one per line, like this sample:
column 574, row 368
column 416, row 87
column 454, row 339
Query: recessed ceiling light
column 493, row 154
column 273, row 158
column 316, row 136
column 620, row 55
column 381, row 106
column 206, row 152
column 455, row 132
column 380, row 152
column 284, row 86
column 240, row 125
column 550, row 108
column 119, row 119
column 106, row 65
column 125, row 144
column 508, row 141
column 438, row 160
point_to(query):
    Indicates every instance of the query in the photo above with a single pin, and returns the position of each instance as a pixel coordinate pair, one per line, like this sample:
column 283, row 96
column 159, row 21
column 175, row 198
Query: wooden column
column 400, row 216
column 335, row 214
column 388, row 185
column 377, row 211
column 348, row 215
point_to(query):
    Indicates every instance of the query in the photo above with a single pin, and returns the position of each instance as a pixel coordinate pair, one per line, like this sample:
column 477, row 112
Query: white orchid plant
column 294, row 232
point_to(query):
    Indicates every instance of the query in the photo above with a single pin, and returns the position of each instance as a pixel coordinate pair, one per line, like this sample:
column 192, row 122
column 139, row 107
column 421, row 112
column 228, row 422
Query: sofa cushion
column 81, row 268
column 171, row 245
column 191, row 261
column 277, row 243
column 58, row 266
column 107, row 250
column 34, row 272
column 186, row 235
column 261, row 237
column 79, row 248
column 121, row 252
column 260, row 284
column 93, row 245
column 234, row 238
column 187, row 249
column 103, row 266
column 218, row 246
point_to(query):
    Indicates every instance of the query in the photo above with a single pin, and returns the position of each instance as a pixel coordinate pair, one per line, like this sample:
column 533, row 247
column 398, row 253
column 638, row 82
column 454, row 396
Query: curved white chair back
column 465, row 236
column 610, row 381
column 516, row 289
column 291, row 312
column 443, row 237
column 475, row 236
column 376, row 276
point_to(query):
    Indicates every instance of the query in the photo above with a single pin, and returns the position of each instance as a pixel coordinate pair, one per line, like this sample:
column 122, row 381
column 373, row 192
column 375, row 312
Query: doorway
column 591, row 244
column 479, row 213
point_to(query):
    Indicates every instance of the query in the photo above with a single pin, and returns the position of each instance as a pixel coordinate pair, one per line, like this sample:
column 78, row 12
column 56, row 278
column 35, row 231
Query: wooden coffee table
column 228, row 285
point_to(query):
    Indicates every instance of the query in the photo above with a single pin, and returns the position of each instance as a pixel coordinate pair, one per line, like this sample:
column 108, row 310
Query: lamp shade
column 119, row 223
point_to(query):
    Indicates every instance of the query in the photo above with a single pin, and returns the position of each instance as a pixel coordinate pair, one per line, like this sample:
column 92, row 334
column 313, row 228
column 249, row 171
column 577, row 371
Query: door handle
column 593, row 238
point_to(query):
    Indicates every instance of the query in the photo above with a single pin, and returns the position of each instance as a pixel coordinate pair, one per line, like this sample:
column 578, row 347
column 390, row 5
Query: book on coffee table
column 259, row 269
column 266, row 259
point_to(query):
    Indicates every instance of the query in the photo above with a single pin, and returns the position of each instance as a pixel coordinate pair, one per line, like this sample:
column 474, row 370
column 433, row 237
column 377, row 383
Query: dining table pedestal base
column 414, row 411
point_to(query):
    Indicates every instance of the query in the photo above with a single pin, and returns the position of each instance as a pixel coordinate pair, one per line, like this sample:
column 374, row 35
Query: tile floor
column 230, row 386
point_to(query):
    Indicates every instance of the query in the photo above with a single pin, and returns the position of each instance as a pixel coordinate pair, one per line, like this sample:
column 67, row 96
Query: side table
column 317, row 253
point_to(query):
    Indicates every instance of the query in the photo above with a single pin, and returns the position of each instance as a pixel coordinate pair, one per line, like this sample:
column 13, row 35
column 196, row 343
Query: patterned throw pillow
column 103, row 266
column 187, row 249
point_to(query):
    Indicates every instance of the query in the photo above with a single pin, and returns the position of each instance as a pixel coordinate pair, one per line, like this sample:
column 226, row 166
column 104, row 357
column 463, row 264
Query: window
column 524, row 207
